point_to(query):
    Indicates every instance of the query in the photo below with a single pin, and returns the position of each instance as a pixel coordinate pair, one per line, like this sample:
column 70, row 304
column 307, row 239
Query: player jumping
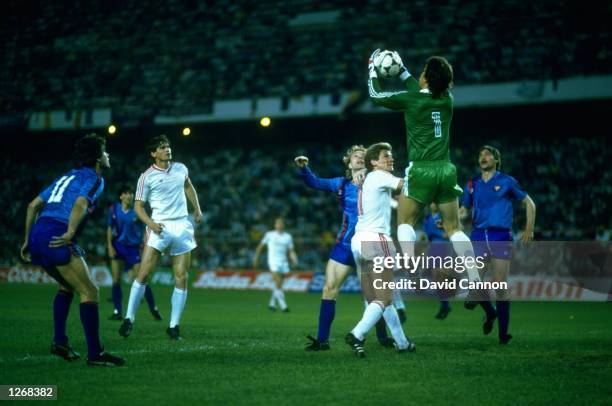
column 430, row 176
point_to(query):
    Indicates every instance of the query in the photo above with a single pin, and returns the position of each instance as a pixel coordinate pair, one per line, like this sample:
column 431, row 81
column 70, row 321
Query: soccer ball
column 387, row 64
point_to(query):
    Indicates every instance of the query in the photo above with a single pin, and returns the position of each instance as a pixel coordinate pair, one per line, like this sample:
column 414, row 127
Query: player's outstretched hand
column 359, row 177
column 371, row 67
column 527, row 236
column 60, row 241
column 403, row 69
column 373, row 57
column 112, row 253
column 254, row 264
column 301, row 161
column 197, row 216
column 25, row 253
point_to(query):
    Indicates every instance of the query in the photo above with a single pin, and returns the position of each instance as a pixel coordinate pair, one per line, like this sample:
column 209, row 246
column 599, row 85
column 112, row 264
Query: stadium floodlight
column 265, row 121
column 186, row 131
column 112, row 129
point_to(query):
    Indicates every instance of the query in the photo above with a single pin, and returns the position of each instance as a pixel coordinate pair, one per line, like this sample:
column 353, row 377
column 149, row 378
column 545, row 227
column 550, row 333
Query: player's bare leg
column 500, row 271
column 149, row 260
column 77, row 275
column 116, row 270
column 180, row 266
column 335, row 275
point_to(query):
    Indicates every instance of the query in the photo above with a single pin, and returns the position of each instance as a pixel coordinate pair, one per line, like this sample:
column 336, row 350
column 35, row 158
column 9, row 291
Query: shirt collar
column 161, row 169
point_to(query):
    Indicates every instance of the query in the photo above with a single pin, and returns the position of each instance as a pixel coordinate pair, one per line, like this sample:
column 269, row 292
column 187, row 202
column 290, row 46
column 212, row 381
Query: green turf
column 236, row 351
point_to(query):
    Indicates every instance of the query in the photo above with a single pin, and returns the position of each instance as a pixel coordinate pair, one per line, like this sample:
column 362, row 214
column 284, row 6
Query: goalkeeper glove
column 371, row 67
column 403, row 72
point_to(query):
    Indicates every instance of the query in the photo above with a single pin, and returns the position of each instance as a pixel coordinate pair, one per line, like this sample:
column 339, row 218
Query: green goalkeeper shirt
column 427, row 119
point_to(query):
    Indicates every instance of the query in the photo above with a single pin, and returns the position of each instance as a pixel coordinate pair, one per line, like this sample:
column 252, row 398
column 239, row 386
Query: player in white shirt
column 373, row 239
column 280, row 246
column 166, row 187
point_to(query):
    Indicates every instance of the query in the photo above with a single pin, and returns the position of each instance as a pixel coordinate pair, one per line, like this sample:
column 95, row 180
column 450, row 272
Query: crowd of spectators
column 179, row 56
column 242, row 191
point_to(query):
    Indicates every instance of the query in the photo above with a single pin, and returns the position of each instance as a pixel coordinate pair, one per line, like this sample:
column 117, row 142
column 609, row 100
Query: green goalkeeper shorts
column 431, row 181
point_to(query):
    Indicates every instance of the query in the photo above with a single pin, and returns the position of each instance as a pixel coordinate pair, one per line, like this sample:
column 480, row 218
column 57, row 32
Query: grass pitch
column 235, row 351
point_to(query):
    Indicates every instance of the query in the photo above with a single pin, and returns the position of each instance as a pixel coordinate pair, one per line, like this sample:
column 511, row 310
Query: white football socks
column 463, row 247
column 272, row 302
column 398, row 302
column 136, row 294
column 280, row 297
column 371, row 315
column 179, row 297
column 406, row 238
column 393, row 322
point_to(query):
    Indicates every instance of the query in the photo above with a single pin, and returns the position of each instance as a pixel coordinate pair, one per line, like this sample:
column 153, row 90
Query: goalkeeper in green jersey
column 430, row 176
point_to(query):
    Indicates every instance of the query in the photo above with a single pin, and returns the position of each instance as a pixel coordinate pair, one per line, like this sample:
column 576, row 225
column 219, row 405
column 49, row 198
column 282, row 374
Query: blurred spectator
column 242, row 190
column 176, row 57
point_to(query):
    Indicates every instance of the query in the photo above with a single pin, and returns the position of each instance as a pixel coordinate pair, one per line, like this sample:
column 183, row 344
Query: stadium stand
column 241, row 191
column 176, row 57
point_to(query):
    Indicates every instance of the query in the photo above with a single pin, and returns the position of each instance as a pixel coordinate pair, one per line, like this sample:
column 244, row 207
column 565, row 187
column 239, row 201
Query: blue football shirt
column 60, row 196
column 431, row 229
column 491, row 201
column 347, row 194
column 127, row 228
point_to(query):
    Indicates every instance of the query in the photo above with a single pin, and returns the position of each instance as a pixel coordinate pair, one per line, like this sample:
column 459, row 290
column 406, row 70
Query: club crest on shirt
column 497, row 187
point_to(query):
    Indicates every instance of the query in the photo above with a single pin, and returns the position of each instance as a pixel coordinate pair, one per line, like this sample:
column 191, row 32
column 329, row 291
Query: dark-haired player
column 166, row 187
column 124, row 241
column 50, row 241
column 430, row 176
column 490, row 197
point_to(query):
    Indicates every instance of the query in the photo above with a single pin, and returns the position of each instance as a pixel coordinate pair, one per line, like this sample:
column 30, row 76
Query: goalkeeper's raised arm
column 390, row 100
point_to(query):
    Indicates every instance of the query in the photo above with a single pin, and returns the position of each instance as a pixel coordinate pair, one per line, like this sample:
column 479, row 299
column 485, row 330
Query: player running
column 166, row 187
column 341, row 262
column 372, row 239
column 54, row 220
column 124, row 242
column 490, row 197
column 430, row 176
column 280, row 245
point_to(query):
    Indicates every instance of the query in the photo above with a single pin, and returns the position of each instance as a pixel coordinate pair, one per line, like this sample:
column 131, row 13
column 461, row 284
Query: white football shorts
column 279, row 268
column 177, row 236
column 366, row 245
